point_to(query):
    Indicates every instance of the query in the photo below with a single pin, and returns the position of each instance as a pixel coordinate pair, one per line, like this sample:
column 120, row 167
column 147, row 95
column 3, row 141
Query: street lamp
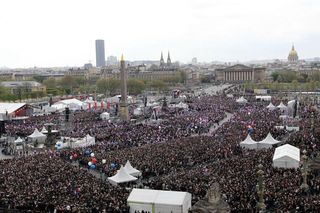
column 304, row 186
column 102, row 170
column 260, row 190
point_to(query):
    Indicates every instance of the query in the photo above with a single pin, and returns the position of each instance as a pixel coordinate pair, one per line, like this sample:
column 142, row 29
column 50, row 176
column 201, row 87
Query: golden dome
column 293, row 55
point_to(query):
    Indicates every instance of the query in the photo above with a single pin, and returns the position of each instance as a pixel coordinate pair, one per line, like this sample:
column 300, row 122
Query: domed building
column 293, row 55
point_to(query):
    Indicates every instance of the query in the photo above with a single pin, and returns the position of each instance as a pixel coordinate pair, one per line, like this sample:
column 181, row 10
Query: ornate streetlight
column 260, row 190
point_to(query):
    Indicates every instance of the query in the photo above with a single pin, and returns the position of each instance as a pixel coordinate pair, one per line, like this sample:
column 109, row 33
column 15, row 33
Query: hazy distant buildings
column 112, row 61
column 100, row 56
column 194, row 60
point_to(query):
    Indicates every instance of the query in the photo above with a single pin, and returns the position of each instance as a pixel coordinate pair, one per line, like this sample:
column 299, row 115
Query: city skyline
column 59, row 33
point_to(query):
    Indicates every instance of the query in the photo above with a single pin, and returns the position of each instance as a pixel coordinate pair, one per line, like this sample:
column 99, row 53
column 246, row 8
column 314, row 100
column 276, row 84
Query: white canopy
column 131, row 171
column 43, row 130
column 37, row 136
column 19, row 140
column 86, row 141
column 268, row 142
column 286, row 156
column 121, row 177
column 281, row 106
column 73, row 104
column 159, row 201
column 271, row 106
column 241, row 100
column 10, row 107
column 249, row 143
column 105, row 116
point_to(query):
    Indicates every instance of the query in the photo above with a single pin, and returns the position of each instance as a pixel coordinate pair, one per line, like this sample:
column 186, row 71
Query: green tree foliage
column 39, row 78
column 135, row 86
column 110, row 85
column 159, row 85
column 50, row 83
column 275, row 76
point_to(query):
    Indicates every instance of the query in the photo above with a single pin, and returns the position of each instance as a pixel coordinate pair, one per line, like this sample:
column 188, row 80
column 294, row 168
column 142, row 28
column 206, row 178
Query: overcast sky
column 47, row 33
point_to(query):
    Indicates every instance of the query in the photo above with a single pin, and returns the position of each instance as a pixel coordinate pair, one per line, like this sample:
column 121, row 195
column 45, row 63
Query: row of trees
column 74, row 85
column 290, row 76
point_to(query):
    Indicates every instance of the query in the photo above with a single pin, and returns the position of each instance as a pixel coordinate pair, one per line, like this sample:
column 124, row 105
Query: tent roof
column 129, row 169
column 157, row 196
column 287, row 150
column 270, row 140
column 281, row 105
column 10, row 107
column 19, row 140
column 271, row 106
column 71, row 101
column 43, row 130
column 37, row 134
column 122, row 176
column 241, row 100
column 248, row 140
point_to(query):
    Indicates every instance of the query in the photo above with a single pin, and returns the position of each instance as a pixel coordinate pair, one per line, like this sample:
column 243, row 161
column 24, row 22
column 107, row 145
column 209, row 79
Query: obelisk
column 124, row 114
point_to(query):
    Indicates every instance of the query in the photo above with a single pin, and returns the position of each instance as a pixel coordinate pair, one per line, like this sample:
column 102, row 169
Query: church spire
column 161, row 60
column 168, row 59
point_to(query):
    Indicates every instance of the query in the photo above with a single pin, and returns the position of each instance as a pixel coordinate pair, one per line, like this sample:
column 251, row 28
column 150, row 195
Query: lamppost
column 102, row 175
column 260, row 190
column 304, row 186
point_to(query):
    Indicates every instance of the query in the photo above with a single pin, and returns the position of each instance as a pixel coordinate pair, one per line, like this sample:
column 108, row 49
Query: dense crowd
column 170, row 157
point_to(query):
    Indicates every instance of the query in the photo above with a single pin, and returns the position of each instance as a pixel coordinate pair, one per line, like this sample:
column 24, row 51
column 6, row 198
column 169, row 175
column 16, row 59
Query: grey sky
column 62, row 32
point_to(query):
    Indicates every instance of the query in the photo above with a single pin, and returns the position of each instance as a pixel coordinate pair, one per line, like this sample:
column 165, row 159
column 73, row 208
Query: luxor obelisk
column 124, row 114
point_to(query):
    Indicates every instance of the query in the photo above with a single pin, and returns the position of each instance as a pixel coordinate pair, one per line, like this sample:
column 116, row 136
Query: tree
column 135, row 86
column 275, row 76
column 68, row 83
column 159, row 85
column 50, row 83
column 183, row 76
column 110, row 85
column 295, row 84
column 39, row 78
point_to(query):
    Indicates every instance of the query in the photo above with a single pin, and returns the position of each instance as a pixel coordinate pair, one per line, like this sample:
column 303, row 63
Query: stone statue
column 212, row 202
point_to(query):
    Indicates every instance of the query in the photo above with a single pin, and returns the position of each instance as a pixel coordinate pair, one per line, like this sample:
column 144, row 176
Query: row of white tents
column 266, row 143
column 35, row 136
column 125, row 174
column 285, row 156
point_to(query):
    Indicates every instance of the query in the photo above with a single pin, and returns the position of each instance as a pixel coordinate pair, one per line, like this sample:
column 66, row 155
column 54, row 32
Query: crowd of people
column 170, row 157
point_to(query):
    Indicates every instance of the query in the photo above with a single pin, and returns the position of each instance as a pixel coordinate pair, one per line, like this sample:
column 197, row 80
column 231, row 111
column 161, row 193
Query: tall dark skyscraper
column 100, row 57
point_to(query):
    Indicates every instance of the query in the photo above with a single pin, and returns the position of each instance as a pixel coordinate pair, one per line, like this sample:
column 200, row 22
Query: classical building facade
column 240, row 73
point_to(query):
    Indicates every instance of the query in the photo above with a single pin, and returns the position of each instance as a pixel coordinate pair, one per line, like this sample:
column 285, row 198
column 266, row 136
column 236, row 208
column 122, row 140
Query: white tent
column 271, row 106
column 268, row 142
column 105, row 116
column 249, row 143
column 19, row 140
column 73, row 104
column 131, row 171
column 121, row 177
column 241, row 100
column 282, row 106
column 10, row 108
column 155, row 201
column 286, row 156
column 86, row 141
column 43, row 130
column 37, row 136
